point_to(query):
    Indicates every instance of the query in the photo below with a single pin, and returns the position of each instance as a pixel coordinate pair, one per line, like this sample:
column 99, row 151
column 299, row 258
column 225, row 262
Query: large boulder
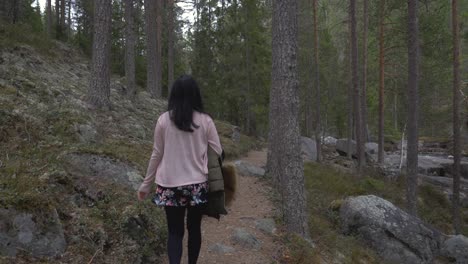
column 309, row 149
column 342, row 147
column 36, row 234
column 397, row 236
column 102, row 167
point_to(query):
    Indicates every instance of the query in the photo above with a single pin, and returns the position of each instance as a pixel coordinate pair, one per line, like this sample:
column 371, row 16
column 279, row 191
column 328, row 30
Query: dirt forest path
column 252, row 204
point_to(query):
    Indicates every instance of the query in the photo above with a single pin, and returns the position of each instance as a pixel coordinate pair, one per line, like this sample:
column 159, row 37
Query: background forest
column 82, row 81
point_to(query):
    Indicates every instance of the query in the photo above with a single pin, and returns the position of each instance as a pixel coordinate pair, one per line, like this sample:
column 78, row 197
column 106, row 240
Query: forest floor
column 253, row 203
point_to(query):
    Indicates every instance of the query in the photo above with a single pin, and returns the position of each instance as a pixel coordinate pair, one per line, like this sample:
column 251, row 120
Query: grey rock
column 309, row 149
column 235, row 134
column 96, row 166
column 247, row 169
column 221, row 249
column 456, row 248
column 372, row 147
column 266, row 225
column 245, row 239
column 397, row 236
column 342, row 147
column 20, row 231
column 86, row 133
column 330, row 141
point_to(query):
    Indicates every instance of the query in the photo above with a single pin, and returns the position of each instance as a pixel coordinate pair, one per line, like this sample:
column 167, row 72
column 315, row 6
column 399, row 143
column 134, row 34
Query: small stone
column 221, row 249
column 266, row 225
column 247, row 169
column 245, row 239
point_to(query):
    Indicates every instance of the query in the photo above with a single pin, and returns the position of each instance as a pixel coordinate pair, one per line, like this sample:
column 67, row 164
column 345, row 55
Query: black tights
column 175, row 222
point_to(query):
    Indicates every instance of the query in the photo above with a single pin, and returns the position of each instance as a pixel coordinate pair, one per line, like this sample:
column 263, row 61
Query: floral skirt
column 187, row 195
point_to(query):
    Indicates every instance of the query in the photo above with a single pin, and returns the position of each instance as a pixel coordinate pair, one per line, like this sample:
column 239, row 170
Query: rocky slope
column 67, row 173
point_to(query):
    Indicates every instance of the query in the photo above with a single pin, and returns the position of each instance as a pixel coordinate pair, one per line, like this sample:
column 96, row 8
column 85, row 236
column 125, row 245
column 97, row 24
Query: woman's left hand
column 141, row 196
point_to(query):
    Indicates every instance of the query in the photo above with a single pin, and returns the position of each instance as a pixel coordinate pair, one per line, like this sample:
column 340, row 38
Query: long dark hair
column 184, row 98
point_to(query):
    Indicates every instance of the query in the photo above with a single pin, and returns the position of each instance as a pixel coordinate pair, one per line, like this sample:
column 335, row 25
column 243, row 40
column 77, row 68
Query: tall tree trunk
column 285, row 163
column 62, row 17
column 130, row 47
column 365, row 134
column 159, row 11
column 99, row 89
column 170, row 45
column 413, row 102
column 49, row 18
column 57, row 19
column 357, row 97
column 69, row 27
column 381, row 81
column 350, row 98
column 151, row 48
column 456, row 118
column 318, row 125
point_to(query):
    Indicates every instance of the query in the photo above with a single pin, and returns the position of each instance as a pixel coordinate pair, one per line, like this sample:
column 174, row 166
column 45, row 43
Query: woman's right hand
column 141, row 196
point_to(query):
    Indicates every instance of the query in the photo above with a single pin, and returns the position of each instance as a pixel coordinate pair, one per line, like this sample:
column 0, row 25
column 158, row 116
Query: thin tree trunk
column 99, row 89
column 49, row 18
column 62, row 17
column 69, row 28
column 381, row 81
column 130, row 47
column 318, row 127
column 151, row 48
column 456, row 119
column 365, row 135
column 285, row 163
column 57, row 19
column 159, row 10
column 350, row 98
column 357, row 97
column 413, row 102
column 170, row 45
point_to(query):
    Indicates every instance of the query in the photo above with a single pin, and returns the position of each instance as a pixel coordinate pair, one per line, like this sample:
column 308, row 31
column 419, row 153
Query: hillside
column 68, row 173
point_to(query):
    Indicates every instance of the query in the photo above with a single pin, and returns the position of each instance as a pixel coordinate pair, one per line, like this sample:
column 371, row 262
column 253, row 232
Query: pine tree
column 151, row 48
column 284, row 153
column 413, row 109
column 99, row 88
column 130, row 47
column 456, row 118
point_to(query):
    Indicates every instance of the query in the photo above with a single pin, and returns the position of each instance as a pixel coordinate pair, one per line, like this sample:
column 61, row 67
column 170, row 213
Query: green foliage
column 231, row 61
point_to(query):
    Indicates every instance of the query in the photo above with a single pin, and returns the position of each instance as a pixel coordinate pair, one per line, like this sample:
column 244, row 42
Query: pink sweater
column 180, row 158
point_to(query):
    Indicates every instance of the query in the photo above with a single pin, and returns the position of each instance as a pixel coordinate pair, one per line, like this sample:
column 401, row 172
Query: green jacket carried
column 222, row 182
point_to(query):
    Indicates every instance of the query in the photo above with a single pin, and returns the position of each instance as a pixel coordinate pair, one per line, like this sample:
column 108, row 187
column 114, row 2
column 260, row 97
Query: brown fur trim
column 230, row 183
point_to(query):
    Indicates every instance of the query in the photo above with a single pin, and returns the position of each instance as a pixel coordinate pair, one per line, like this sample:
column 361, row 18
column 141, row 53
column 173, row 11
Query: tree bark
column 456, row 118
column 151, row 48
column 99, row 89
column 170, row 46
column 318, row 125
column 57, row 19
column 159, row 10
column 357, row 97
column 285, row 163
column 49, row 18
column 62, row 17
column 365, row 135
column 381, row 82
column 130, row 43
column 350, row 97
column 413, row 109
column 69, row 27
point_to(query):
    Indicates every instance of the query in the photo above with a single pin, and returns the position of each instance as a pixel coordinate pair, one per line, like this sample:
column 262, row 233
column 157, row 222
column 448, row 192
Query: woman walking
column 179, row 166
